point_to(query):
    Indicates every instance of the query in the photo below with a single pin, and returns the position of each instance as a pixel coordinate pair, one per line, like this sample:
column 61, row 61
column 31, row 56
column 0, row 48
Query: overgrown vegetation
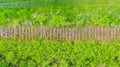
column 59, row 13
column 59, row 54
column 71, row 14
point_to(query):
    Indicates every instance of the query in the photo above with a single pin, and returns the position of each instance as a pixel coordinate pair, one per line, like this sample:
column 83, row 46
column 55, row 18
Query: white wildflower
column 34, row 15
column 27, row 23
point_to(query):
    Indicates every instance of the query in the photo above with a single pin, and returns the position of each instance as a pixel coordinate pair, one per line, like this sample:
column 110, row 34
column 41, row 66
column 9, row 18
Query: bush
column 54, row 53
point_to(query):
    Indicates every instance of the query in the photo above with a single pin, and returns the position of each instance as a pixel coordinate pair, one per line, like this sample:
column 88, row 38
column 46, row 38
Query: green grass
column 70, row 14
column 15, row 4
column 59, row 54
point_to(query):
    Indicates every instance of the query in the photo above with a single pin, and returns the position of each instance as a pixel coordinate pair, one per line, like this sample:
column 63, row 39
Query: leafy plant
column 55, row 53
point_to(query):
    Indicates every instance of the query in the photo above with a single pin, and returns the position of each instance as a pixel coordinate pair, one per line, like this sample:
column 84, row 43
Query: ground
column 53, row 53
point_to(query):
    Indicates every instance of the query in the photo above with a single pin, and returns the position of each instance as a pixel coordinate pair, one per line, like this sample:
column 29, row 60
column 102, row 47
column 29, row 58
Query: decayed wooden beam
column 70, row 34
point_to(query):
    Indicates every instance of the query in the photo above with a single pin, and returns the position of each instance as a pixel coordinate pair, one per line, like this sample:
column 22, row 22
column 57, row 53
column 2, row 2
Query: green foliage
column 59, row 54
column 59, row 13
column 3, row 64
column 22, row 63
column 9, row 57
column 55, row 13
